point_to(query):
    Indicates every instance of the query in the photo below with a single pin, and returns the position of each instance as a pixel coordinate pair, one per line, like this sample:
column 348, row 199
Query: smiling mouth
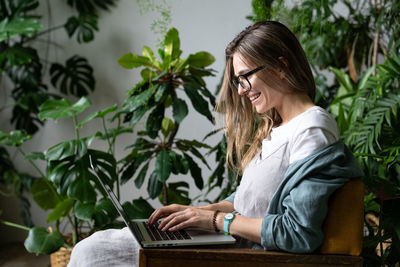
column 254, row 97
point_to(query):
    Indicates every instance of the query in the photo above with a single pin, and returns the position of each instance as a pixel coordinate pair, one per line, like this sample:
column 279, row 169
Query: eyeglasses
column 243, row 80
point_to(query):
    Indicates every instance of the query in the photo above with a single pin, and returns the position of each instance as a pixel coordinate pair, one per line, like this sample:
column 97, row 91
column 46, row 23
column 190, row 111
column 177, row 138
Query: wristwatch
column 228, row 218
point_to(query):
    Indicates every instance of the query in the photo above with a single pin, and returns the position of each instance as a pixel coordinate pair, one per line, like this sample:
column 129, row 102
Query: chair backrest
column 343, row 226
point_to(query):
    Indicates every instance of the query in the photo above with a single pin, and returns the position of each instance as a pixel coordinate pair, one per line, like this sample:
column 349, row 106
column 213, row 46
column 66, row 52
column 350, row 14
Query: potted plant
column 155, row 94
column 67, row 188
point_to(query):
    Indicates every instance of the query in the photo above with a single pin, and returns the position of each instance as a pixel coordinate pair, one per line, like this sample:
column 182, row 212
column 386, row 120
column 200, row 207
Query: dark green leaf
column 104, row 212
column 141, row 176
column 195, row 171
column 136, row 101
column 61, row 210
column 153, row 124
column 44, row 194
column 163, row 166
column 176, row 195
column 197, row 153
column 175, row 162
column 91, row 6
column 130, row 171
column 198, row 102
column 180, row 110
column 58, row 109
column 39, row 240
column 82, row 189
column 75, row 78
column 154, row 186
column 84, row 25
column 201, row 59
column 60, row 151
column 84, row 211
column 138, row 209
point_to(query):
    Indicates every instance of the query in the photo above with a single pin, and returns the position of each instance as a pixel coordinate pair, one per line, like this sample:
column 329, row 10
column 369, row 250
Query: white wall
column 205, row 25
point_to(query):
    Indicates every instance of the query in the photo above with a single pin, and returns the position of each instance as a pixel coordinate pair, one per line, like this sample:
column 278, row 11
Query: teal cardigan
column 293, row 221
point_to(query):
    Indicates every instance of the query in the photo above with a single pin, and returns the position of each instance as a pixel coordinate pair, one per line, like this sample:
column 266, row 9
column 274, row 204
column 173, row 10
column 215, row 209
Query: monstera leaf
column 76, row 77
column 63, row 108
column 84, row 25
column 15, row 26
column 89, row 6
column 40, row 240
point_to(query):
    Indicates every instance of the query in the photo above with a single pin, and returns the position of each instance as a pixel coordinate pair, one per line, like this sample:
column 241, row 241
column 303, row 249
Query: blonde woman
column 291, row 162
column 289, row 154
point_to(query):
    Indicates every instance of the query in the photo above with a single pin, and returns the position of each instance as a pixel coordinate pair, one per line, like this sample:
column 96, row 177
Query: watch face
column 229, row 216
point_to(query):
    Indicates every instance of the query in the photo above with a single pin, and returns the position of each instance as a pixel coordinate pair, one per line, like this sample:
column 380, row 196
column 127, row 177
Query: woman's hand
column 178, row 217
column 164, row 212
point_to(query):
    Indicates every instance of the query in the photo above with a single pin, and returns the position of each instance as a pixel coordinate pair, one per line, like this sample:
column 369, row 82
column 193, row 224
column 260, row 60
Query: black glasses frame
column 236, row 81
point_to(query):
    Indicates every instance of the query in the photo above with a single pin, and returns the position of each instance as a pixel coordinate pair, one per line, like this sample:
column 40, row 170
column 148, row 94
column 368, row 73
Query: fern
column 363, row 135
column 375, row 107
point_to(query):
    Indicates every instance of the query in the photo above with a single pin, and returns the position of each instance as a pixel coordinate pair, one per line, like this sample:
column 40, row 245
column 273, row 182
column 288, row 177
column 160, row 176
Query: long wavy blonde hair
column 269, row 44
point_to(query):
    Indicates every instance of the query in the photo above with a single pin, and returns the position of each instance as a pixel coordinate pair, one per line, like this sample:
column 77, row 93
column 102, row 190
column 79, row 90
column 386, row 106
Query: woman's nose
column 241, row 90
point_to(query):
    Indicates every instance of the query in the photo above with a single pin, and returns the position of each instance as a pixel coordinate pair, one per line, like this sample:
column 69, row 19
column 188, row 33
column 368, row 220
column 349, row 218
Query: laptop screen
column 110, row 194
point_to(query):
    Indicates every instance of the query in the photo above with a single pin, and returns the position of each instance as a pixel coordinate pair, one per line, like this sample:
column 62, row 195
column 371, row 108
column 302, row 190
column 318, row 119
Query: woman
column 290, row 163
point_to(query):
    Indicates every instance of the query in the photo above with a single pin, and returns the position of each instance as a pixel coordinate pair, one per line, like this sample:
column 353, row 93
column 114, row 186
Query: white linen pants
column 106, row 248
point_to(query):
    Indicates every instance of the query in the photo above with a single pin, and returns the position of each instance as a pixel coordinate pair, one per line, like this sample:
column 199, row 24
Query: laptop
column 151, row 236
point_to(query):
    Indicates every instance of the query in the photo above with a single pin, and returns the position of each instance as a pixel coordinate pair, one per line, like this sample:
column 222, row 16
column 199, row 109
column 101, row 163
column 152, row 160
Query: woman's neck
column 293, row 105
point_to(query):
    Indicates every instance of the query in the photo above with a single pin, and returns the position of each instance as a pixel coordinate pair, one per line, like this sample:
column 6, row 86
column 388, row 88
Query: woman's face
column 261, row 95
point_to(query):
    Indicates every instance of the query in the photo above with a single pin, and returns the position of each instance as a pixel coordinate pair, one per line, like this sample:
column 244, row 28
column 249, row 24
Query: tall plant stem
column 15, row 225
column 75, row 126
column 165, row 194
column 44, row 32
column 32, row 163
column 110, row 145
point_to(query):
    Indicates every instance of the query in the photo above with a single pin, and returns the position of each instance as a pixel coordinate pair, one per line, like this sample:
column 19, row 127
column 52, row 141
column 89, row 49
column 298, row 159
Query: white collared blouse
column 305, row 134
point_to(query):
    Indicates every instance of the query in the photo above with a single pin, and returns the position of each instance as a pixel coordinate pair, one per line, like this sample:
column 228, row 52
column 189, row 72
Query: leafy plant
column 21, row 62
column 68, row 188
column 367, row 115
column 154, row 95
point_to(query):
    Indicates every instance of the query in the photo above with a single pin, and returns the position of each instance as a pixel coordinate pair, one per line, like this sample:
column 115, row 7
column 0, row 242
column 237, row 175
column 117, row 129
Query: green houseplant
column 68, row 188
column 24, row 64
column 155, row 94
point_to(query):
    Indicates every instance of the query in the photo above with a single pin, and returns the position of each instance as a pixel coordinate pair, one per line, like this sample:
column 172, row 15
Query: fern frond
column 363, row 135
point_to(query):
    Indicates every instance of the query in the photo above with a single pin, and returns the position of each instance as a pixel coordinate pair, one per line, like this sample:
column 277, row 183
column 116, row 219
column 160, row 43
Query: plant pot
column 61, row 257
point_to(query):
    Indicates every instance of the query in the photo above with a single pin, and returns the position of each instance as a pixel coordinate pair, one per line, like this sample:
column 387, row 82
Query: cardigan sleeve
column 297, row 226
column 231, row 198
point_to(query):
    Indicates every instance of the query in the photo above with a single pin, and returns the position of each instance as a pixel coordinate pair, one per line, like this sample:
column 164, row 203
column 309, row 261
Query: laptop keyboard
column 158, row 235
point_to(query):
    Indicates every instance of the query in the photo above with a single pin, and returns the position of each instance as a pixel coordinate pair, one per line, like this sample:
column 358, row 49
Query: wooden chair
column 343, row 229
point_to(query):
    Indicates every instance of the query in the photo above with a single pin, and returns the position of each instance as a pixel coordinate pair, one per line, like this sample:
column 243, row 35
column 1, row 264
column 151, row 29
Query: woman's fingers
column 164, row 212
column 190, row 217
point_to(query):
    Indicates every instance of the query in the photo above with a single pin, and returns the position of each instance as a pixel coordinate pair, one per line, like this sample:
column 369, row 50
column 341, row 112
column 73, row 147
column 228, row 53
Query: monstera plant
column 68, row 188
column 163, row 86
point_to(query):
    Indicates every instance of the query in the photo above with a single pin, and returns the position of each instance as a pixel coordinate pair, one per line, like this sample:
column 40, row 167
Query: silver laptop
column 151, row 236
